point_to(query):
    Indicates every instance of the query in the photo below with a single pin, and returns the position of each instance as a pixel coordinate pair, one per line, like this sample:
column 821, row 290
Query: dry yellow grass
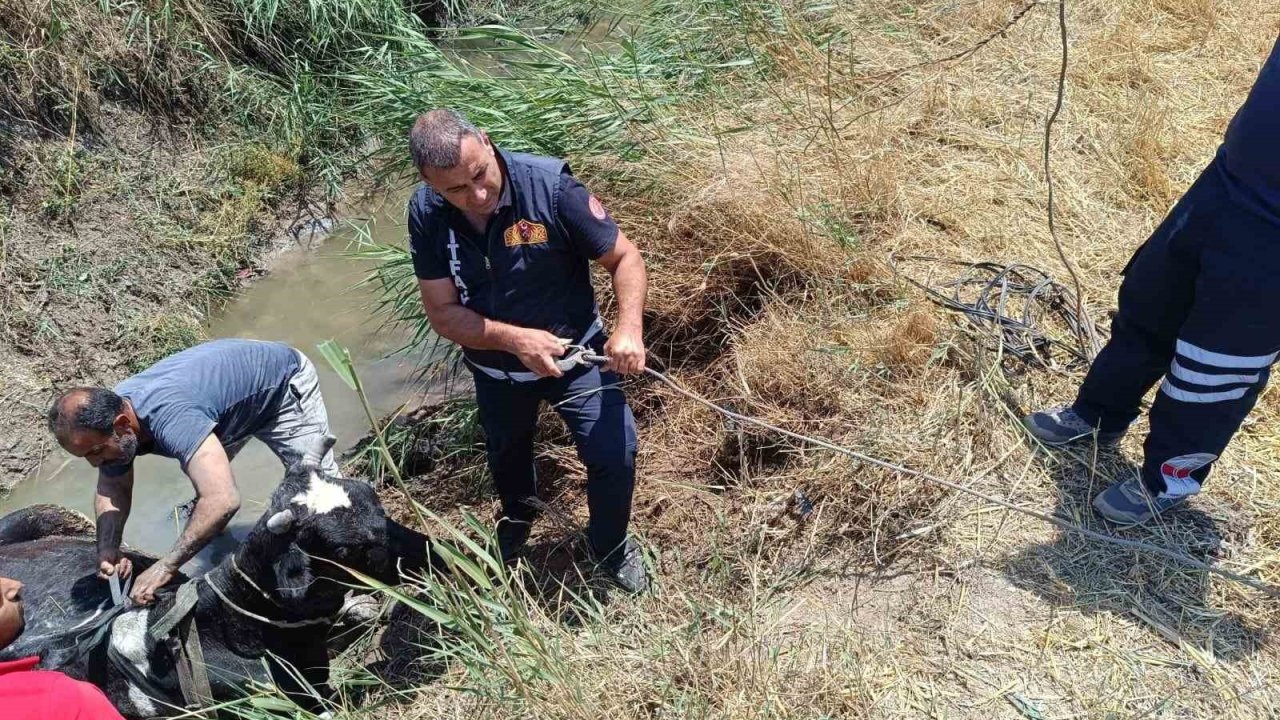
column 771, row 293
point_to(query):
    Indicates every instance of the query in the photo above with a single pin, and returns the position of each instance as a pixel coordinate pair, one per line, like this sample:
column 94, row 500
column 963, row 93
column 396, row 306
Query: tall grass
column 336, row 85
column 489, row 628
column 339, row 84
column 617, row 107
column 483, row 645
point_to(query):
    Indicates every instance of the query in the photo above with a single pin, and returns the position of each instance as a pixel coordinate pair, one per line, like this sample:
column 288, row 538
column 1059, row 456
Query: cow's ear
column 293, row 573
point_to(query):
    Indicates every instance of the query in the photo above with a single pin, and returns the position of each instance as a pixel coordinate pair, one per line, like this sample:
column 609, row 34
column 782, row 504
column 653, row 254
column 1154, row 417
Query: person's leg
column 301, row 426
column 603, row 428
column 509, row 417
column 1223, row 355
column 1131, row 362
column 1154, row 299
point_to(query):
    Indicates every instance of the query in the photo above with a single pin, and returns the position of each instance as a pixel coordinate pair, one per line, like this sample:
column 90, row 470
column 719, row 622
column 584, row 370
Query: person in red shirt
column 30, row 694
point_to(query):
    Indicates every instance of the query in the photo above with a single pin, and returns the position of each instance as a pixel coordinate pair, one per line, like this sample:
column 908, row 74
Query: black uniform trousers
column 1199, row 307
column 603, row 428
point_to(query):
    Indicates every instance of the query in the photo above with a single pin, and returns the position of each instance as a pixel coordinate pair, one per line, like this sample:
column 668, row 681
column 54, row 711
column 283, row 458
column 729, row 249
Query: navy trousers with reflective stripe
column 603, row 430
column 1200, row 308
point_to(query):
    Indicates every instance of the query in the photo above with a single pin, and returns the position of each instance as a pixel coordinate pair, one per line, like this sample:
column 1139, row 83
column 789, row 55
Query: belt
column 525, row 376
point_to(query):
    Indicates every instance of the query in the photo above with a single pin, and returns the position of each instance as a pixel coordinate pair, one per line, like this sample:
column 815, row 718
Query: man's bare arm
column 217, row 501
column 112, row 500
column 630, row 282
column 625, row 348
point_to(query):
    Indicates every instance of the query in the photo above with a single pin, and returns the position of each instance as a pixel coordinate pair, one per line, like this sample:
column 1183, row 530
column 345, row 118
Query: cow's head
column 315, row 526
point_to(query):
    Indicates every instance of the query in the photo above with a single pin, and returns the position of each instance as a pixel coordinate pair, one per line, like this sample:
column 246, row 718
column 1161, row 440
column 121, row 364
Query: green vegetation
column 147, row 340
column 65, row 183
column 420, row 441
column 254, row 164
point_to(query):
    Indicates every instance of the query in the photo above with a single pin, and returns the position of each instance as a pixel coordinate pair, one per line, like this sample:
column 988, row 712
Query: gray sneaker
column 1061, row 425
column 625, row 567
column 1129, row 503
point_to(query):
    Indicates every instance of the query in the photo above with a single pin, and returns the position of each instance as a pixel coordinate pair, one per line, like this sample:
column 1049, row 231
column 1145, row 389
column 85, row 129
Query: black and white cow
column 288, row 571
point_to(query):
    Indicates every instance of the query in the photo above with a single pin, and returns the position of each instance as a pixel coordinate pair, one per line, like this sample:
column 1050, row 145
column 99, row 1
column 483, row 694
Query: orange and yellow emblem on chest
column 525, row 233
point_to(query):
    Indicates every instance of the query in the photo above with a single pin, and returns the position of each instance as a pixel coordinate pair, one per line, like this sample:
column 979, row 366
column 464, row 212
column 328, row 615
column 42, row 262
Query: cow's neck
column 247, row 579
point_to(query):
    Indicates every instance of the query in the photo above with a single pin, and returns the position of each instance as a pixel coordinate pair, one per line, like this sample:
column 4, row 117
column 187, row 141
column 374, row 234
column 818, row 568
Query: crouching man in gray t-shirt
column 199, row 407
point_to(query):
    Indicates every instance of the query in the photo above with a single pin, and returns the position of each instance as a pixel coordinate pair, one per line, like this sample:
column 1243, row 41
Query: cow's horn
column 281, row 522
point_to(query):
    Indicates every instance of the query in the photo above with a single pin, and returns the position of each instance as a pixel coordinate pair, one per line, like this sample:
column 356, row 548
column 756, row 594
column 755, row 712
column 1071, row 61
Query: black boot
column 512, row 536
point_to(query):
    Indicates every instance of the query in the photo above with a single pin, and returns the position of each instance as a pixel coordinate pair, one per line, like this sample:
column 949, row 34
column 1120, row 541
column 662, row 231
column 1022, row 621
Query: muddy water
column 309, row 296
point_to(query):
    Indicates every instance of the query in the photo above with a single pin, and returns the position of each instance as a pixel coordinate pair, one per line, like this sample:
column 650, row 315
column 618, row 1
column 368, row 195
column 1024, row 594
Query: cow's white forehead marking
column 322, row 496
column 128, row 637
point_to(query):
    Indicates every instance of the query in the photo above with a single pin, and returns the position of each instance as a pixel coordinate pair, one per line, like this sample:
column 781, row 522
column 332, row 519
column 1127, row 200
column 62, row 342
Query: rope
column 1021, row 337
column 959, row 55
column 1178, row 557
column 266, row 620
column 1089, row 344
column 993, row 309
column 586, row 393
column 244, row 576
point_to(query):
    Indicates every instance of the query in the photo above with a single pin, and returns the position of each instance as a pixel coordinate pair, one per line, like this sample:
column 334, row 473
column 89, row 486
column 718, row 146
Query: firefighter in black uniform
column 502, row 244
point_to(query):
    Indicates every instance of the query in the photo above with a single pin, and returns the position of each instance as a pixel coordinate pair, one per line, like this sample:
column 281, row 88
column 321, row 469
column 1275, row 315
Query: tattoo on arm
column 201, row 529
column 217, row 501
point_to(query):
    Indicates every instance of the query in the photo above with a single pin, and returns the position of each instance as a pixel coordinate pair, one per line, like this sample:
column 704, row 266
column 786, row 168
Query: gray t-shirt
column 232, row 388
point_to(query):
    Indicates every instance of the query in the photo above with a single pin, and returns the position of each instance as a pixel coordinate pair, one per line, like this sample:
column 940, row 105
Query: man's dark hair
column 436, row 138
column 84, row 408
